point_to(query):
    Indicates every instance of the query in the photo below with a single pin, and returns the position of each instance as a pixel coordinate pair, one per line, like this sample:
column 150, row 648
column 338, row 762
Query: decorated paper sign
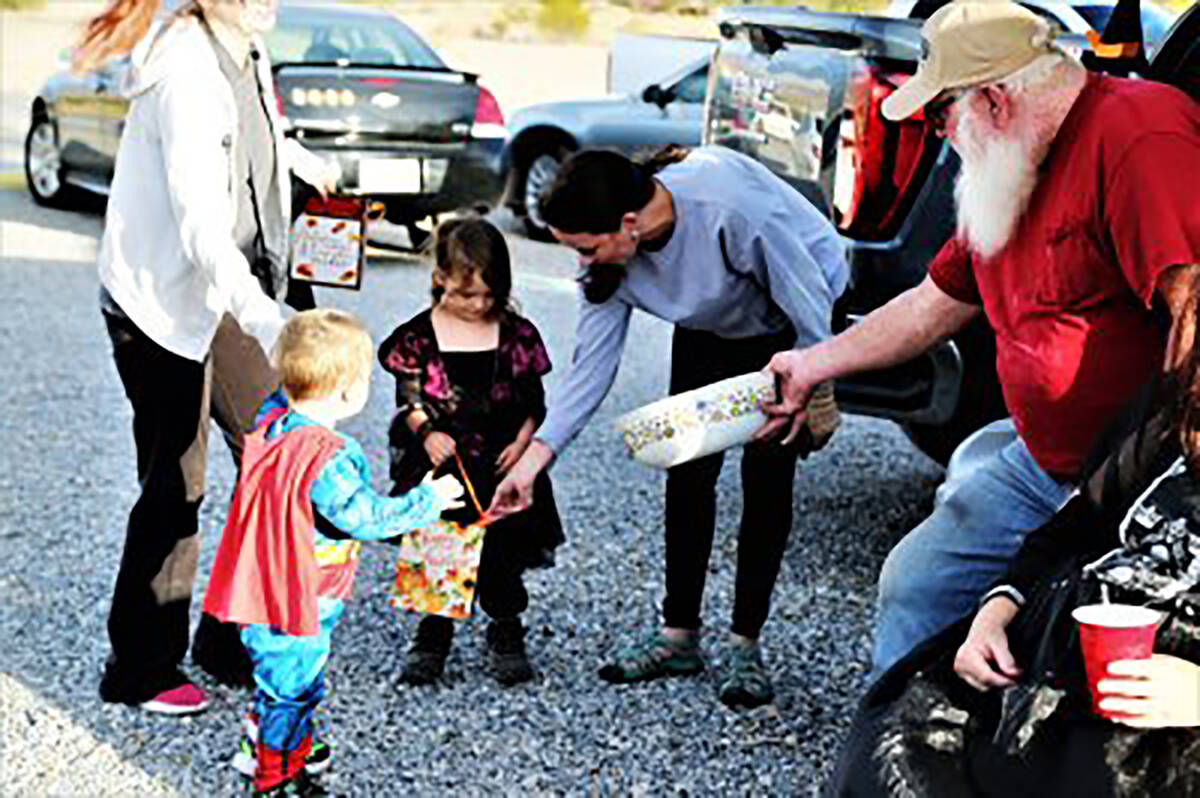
column 327, row 243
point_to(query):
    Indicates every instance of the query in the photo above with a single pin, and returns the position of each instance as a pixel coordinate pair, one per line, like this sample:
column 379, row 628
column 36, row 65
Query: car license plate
column 389, row 176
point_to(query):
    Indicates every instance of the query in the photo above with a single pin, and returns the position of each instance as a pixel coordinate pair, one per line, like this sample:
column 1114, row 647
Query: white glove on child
column 447, row 490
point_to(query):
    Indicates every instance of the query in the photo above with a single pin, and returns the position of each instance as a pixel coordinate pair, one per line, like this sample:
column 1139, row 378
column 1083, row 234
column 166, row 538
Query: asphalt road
column 67, row 481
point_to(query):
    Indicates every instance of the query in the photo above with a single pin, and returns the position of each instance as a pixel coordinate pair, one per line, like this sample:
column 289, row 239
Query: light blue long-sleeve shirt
column 748, row 255
column 342, row 491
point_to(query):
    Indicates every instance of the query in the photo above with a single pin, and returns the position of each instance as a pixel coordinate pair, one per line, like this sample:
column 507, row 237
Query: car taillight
column 489, row 120
column 318, row 97
column 880, row 164
column 283, row 117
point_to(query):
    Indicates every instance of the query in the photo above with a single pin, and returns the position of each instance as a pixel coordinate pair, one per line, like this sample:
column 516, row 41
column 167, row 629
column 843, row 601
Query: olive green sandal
column 746, row 683
column 656, row 657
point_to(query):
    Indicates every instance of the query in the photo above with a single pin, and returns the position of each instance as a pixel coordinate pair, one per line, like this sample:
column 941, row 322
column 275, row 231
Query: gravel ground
column 68, row 481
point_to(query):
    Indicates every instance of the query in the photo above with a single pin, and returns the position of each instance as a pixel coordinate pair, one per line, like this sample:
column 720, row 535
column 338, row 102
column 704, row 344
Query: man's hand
column 795, row 389
column 1153, row 693
column 894, row 333
column 984, row 660
column 440, row 447
column 515, row 491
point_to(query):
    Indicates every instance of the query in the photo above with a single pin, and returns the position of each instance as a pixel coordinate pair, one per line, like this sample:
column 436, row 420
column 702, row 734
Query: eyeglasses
column 937, row 110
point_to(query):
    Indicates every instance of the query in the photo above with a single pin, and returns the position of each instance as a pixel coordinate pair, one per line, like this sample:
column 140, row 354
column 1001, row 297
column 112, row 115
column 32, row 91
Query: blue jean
column 941, row 569
column 288, row 672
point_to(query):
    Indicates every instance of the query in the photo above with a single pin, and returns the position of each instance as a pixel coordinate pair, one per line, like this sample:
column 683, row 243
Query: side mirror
column 658, row 95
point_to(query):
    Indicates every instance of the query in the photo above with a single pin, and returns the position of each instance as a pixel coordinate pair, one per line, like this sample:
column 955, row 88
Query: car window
column 360, row 40
column 691, row 89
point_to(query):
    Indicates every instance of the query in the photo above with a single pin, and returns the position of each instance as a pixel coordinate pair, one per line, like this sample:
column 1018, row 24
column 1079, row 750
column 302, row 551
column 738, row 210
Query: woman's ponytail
column 595, row 188
column 114, row 32
column 660, row 160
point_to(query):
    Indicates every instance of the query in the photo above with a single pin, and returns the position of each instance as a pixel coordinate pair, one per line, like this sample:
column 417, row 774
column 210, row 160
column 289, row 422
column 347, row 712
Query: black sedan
column 354, row 84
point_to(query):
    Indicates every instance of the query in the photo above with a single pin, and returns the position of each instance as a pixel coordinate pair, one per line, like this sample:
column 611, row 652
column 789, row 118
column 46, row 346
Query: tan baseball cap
column 970, row 43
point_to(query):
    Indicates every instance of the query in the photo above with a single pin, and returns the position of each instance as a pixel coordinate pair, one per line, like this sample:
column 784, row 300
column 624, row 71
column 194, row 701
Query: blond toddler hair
column 320, row 352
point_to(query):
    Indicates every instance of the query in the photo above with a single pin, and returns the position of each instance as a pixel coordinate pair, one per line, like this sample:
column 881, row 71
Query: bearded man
column 1077, row 238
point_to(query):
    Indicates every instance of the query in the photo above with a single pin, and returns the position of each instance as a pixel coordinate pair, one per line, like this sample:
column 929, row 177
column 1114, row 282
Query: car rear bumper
column 433, row 178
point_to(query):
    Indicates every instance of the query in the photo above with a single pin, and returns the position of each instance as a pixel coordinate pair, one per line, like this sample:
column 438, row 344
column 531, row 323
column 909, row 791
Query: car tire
column 43, row 165
column 419, row 237
column 980, row 400
column 539, row 173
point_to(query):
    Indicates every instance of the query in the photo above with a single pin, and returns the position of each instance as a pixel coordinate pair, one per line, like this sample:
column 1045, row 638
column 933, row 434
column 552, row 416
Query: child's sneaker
column 319, row 760
column 245, row 761
column 426, row 657
column 506, row 645
column 186, row 699
column 299, row 785
column 658, row 656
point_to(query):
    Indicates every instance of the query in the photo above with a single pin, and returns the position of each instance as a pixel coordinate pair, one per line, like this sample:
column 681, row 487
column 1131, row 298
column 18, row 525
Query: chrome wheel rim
column 540, row 175
column 45, row 162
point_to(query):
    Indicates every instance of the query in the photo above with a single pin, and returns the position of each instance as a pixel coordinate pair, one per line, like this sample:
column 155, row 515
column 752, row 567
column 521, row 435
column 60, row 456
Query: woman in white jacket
column 193, row 252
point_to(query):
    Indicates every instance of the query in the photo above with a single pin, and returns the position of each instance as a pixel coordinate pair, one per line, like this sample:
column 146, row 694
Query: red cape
column 266, row 570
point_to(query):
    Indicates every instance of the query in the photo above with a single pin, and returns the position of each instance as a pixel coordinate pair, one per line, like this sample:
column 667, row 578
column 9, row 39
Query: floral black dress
column 482, row 412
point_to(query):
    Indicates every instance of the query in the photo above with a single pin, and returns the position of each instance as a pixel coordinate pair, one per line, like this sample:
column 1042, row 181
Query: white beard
column 996, row 182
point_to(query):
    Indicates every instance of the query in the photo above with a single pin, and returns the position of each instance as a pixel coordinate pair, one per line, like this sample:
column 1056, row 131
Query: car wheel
column 43, row 164
column 418, row 237
column 538, row 175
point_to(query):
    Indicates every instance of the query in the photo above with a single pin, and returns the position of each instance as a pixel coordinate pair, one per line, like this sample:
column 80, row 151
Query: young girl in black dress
column 469, row 382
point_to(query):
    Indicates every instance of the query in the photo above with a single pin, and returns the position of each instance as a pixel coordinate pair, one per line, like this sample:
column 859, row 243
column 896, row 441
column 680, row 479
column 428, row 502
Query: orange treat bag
column 438, row 566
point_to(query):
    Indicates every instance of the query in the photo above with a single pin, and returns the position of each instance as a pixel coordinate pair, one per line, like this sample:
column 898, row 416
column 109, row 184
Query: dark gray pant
column 173, row 399
column 768, row 472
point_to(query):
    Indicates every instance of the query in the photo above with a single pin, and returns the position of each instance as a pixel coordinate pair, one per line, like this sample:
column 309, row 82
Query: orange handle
column 470, row 488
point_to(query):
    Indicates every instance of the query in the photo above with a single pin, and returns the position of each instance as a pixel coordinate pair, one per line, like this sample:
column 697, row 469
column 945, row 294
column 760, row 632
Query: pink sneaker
column 186, row 699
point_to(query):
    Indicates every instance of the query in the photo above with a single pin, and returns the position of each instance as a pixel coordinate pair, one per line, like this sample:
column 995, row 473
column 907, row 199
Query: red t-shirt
column 1069, row 297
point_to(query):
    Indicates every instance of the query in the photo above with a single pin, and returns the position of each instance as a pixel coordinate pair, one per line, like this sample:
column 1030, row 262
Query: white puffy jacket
column 168, row 256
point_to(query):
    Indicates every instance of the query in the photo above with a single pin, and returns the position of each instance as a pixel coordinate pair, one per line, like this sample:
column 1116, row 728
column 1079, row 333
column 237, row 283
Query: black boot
column 506, row 646
column 218, row 651
column 427, row 656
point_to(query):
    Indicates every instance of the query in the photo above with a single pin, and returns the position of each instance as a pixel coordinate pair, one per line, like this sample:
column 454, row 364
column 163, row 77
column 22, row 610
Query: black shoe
column 426, row 657
column 218, row 651
column 506, row 645
column 120, row 685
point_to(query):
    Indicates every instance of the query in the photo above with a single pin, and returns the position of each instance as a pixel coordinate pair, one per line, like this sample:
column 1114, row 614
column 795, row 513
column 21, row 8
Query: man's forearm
column 1176, row 287
column 899, row 331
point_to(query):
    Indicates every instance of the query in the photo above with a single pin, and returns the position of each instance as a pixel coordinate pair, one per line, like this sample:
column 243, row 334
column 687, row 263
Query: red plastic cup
column 1111, row 632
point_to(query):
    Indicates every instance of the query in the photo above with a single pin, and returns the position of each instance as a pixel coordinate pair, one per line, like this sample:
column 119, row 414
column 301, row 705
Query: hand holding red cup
column 1111, row 633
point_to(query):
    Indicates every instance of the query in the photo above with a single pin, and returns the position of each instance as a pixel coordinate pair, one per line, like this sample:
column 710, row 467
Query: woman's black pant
column 768, row 471
column 173, row 399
